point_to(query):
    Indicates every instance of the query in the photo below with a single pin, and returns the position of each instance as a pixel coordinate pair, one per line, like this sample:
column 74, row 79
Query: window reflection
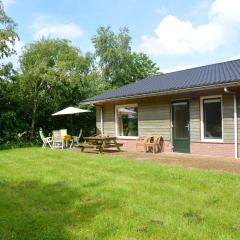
column 127, row 121
column 212, row 116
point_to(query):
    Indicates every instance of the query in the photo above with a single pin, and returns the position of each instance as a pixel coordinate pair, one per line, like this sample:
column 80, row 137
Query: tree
column 54, row 74
column 118, row 64
column 142, row 66
column 8, row 36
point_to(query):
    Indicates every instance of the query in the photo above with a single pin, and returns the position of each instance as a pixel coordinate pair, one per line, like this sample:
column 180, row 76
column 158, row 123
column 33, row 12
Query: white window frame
column 202, row 119
column 116, row 121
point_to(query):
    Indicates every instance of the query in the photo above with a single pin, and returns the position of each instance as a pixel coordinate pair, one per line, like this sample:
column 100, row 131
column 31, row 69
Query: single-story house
column 194, row 110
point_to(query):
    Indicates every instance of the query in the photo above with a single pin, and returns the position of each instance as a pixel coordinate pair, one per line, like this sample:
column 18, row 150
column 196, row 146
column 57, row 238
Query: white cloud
column 225, row 11
column 68, row 30
column 175, row 36
column 7, row 3
column 45, row 27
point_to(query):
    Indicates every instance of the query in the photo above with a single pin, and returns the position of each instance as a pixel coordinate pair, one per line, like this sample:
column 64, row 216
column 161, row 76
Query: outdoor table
column 100, row 143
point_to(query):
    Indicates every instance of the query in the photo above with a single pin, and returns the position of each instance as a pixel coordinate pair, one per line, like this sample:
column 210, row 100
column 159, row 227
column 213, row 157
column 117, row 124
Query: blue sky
column 175, row 34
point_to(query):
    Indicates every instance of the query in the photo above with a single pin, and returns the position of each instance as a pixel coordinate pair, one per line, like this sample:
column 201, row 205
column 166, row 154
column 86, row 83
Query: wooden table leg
column 102, row 146
column 118, row 148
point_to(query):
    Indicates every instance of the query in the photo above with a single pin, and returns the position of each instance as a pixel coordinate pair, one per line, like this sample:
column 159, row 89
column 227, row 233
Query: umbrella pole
column 72, row 123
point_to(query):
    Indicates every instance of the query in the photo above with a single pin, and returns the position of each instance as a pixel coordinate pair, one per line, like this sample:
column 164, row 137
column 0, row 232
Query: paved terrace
column 179, row 159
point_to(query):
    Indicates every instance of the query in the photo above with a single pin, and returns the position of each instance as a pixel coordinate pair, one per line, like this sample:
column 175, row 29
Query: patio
column 211, row 163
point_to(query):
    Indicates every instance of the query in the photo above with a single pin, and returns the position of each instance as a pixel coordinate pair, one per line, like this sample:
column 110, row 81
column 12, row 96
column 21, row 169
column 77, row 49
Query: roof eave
column 213, row 86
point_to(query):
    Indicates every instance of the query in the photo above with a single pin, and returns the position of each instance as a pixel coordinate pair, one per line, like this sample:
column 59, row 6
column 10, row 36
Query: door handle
column 187, row 126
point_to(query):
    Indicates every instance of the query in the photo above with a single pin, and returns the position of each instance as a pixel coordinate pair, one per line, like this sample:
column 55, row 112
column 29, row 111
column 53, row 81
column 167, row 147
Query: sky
column 174, row 34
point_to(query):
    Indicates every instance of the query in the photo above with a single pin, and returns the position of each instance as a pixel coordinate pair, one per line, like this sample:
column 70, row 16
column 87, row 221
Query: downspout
column 235, row 121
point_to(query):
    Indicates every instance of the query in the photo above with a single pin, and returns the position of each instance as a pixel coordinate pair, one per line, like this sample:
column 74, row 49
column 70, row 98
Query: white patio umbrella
column 70, row 111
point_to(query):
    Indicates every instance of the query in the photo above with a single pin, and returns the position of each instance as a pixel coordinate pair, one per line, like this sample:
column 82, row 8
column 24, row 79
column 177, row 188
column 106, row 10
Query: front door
column 180, row 126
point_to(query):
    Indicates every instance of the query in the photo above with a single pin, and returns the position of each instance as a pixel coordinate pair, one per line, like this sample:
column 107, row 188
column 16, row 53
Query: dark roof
column 219, row 73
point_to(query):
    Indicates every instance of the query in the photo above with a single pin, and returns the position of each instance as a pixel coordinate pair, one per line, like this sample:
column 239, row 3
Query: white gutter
column 235, row 122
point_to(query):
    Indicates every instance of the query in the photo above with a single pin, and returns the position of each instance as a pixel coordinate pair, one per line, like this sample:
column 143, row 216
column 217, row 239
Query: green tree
column 54, row 75
column 8, row 36
column 118, row 64
column 142, row 66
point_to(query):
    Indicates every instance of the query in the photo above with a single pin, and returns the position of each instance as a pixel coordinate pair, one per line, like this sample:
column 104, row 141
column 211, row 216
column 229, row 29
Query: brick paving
column 222, row 164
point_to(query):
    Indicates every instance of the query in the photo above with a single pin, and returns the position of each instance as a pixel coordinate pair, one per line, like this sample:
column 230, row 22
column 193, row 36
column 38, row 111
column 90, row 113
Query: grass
column 47, row 194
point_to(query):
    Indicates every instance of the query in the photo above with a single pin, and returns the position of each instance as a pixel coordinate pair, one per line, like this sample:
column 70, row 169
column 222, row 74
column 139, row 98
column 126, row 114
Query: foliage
column 113, row 51
column 119, row 65
column 11, row 115
column 54, row 75
column 142, row 67
column 48, row 194
column 8, row 110
column 8, row 36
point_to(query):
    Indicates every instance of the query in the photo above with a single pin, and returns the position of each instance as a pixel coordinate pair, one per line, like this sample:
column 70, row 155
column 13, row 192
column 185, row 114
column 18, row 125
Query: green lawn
column 47, row 194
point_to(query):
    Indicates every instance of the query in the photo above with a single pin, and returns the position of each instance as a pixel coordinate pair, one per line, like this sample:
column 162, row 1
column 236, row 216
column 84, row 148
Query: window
column 127, row 120
column 212, row 119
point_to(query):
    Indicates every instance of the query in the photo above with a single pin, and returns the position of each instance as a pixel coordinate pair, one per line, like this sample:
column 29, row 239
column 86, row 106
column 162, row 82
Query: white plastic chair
column 57, row 139
column 46, row 140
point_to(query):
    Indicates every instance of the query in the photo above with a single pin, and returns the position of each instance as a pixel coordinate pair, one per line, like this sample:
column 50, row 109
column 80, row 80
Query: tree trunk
column 33, row 121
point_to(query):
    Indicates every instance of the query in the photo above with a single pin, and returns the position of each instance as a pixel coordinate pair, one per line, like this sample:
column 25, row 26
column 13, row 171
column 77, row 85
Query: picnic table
column 100, row 143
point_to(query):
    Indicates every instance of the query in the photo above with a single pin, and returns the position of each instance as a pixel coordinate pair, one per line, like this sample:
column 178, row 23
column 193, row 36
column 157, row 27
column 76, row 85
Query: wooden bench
column 112, row 145
column 86, row 145
column 100, row 143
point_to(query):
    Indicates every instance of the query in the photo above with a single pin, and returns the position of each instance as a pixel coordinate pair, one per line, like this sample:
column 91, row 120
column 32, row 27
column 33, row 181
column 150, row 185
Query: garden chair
column 57, row 139
column 142, row 141
column 75, row 139
column 46, row 140
column 156, row 144
column 159, row 144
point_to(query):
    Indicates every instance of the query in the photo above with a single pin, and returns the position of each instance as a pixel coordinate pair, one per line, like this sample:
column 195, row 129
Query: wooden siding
column 109, row 119
column 195, row 122
column 228, row 128
column 154, row 118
